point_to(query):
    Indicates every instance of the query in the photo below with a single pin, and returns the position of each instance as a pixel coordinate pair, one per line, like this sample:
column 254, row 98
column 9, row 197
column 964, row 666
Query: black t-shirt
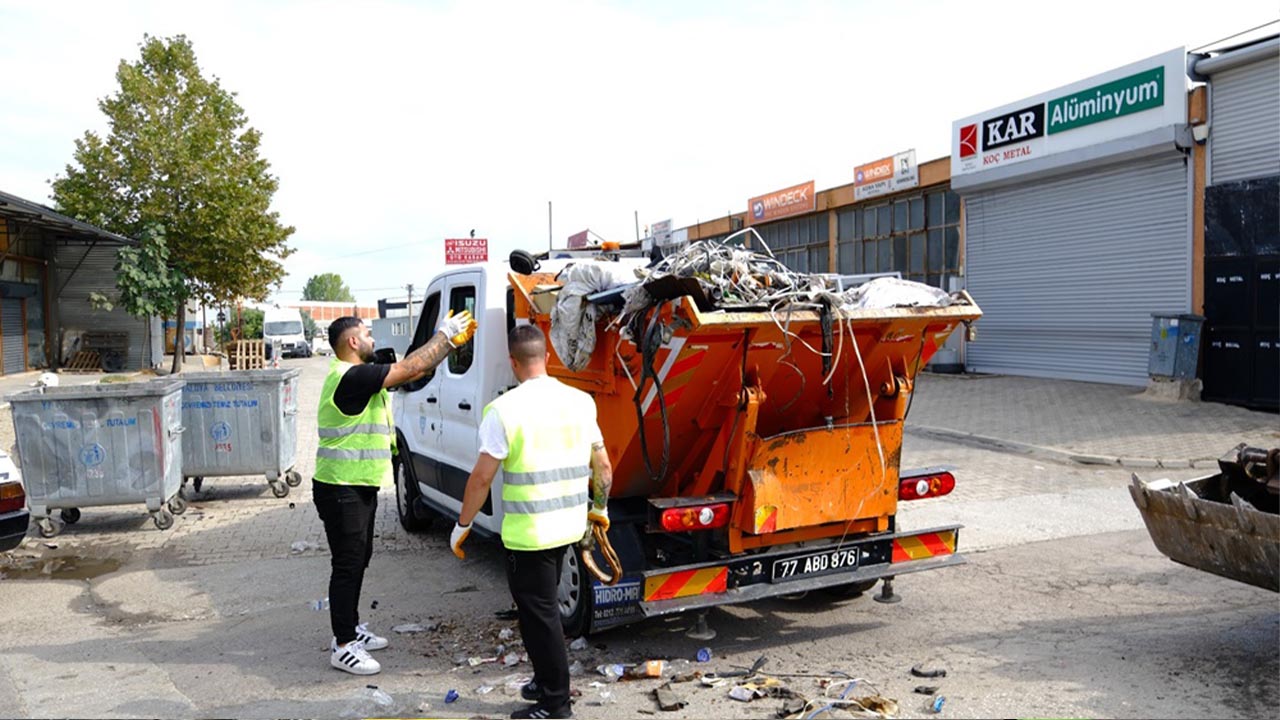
column 360, row 384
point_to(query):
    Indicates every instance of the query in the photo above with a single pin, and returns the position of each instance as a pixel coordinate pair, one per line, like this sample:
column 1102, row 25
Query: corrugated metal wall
column 95, row 273
column 14, row 337
column 1244, row 134
column 1068, row 270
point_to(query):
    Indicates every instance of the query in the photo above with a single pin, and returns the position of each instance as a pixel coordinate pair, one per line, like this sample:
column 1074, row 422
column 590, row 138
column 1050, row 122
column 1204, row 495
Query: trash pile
column 807, row 696
column 716, row 276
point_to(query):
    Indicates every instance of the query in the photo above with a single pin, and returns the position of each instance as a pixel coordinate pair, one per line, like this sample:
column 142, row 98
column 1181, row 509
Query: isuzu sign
column 461, row 251
column 1131, row 100
column 794, row 200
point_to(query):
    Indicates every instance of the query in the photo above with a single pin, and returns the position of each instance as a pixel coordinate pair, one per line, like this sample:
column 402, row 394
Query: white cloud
column 394, row 124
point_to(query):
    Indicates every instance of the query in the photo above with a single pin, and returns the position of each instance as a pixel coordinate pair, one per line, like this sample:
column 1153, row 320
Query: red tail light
column 695, row 517
column 926, row 486
column 12, row 497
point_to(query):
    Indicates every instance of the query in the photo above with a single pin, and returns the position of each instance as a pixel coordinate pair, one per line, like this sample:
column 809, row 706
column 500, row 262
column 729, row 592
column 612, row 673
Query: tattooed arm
column 419, row 362
column 601, row 475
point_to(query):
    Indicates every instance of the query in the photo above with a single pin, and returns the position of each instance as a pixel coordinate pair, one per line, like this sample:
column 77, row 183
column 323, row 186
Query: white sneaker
column 353, row 658
column 370, row 640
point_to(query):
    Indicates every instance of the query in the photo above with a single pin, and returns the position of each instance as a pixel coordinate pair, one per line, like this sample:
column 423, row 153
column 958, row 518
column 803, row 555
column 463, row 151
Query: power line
column 378, row 250
column 1242, row 32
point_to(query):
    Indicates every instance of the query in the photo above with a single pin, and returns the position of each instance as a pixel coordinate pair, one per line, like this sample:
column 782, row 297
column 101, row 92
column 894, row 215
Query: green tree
column 327, row 287
column 308, row 326
column 180, row 153
column 249, row 318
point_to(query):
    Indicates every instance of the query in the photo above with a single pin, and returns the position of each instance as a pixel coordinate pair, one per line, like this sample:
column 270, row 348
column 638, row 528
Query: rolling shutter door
column 1245, row 133
column 85, row 269
column 14, row 339
column 1068, row 270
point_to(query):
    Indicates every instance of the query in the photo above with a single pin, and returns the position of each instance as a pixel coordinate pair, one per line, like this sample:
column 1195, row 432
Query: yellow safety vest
column 547, row 471
column 353, row 449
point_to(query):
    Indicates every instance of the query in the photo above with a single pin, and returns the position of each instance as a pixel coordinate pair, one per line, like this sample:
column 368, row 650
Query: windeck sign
column 886, row 175
column 461, row 251
column 794, row 200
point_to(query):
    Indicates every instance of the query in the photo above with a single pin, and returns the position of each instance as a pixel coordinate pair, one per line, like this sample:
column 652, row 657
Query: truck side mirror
column 384, row 356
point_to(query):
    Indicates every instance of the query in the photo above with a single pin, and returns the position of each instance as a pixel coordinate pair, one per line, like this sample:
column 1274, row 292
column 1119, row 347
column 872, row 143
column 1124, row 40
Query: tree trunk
column 179, row 336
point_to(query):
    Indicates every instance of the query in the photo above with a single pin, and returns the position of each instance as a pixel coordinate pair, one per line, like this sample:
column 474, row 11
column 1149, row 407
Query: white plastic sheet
column 888, row 292
column 573, row 319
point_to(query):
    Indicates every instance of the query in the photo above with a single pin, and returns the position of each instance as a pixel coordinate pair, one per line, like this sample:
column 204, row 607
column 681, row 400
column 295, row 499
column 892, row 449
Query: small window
column 935, row 210
column 426, row 322
column 869, row 264
column 935, row 251
column 900, row 212
column 462, row 298
column 883, row 220
column 917, row 213
column 953, row 249
column 884, row 254
column 847, row 257
column 917, row 253
column 869, row 222
column 900, row 254
column 819, row 259
column 400, row 327
column 953, row 208
column 844, row 225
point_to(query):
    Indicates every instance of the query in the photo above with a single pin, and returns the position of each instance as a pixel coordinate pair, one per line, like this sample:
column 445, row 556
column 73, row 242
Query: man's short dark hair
column 339, row 327
column 526, row 343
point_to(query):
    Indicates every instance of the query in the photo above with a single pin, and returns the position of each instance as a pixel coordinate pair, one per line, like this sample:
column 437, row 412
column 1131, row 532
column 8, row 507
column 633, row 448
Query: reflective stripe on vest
column 353, row 449
column 546, row 474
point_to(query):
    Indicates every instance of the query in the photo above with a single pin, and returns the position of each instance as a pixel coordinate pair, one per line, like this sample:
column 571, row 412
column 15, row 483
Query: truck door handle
column 464, row 405
column 431, row 400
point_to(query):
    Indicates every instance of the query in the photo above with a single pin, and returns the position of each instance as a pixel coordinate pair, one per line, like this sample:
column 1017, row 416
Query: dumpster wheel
column 278, row 488
column 48, row 528
column 70, row 516
column 177, row 504
column 162, row 518
column 293, row 478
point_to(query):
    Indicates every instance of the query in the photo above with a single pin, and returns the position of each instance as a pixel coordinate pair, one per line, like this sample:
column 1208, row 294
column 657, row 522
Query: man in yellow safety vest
column 353, row 460
column 544, row 436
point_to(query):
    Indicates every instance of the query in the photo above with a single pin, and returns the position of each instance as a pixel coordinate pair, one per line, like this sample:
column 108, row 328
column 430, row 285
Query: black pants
column 534, row 577
column 347, row 512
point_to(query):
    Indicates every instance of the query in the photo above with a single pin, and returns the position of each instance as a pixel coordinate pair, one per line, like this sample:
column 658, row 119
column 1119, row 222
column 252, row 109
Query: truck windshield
column 283, row 327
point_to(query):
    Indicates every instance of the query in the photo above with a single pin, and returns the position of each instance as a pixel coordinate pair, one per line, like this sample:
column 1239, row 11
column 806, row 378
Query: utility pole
column 637, row 212
column 409, row 287
column 549, row 241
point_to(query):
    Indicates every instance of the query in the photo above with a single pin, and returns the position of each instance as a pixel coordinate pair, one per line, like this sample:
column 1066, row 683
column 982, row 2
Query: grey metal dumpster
column 1175, row 345
column 243, row 422
column 95, row 445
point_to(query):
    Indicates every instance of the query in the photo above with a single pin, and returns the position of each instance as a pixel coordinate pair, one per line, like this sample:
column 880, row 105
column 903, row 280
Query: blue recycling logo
column 220, row 432
column 92, row 455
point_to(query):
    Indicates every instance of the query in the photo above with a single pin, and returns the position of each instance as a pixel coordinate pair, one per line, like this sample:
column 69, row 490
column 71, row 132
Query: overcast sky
column 393, row 125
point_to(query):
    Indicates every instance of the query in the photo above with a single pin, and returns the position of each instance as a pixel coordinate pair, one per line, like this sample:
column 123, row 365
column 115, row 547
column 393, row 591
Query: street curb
column 1055, row 454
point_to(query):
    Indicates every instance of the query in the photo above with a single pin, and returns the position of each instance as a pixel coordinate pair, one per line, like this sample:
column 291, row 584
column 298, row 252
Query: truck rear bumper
column 764, row 575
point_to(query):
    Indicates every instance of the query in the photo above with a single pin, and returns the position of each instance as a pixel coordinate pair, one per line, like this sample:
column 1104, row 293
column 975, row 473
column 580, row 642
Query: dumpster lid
column 146, row 388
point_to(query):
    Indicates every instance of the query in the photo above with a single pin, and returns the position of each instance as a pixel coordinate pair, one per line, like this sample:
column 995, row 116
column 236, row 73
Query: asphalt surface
column 1064, row 609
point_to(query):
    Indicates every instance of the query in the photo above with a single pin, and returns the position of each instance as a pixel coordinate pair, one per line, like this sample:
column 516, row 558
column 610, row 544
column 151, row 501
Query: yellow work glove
column 459, row 536
column 459, row 328
column 597, row 515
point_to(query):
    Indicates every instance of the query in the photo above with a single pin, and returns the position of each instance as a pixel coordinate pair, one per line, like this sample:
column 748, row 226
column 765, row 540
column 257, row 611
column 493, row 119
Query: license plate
column 818, row 563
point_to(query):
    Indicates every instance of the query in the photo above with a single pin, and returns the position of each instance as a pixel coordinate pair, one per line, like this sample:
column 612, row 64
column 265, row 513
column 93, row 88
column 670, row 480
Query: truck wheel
column 574, row 594
column 849, row 591
column 407, row 497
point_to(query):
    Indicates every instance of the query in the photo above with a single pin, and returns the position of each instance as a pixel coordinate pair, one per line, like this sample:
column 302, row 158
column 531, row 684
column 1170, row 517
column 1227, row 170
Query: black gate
column 1242, row 293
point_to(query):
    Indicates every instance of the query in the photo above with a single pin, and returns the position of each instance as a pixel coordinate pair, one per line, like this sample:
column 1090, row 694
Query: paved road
column 1065, row 609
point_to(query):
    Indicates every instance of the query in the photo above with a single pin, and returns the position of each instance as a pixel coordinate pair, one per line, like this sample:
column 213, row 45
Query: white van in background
column 284, row 326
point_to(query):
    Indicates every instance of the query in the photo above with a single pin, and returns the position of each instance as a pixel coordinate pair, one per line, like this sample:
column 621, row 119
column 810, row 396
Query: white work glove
column 459, row 535
column 597, row 515
column 459, row 328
